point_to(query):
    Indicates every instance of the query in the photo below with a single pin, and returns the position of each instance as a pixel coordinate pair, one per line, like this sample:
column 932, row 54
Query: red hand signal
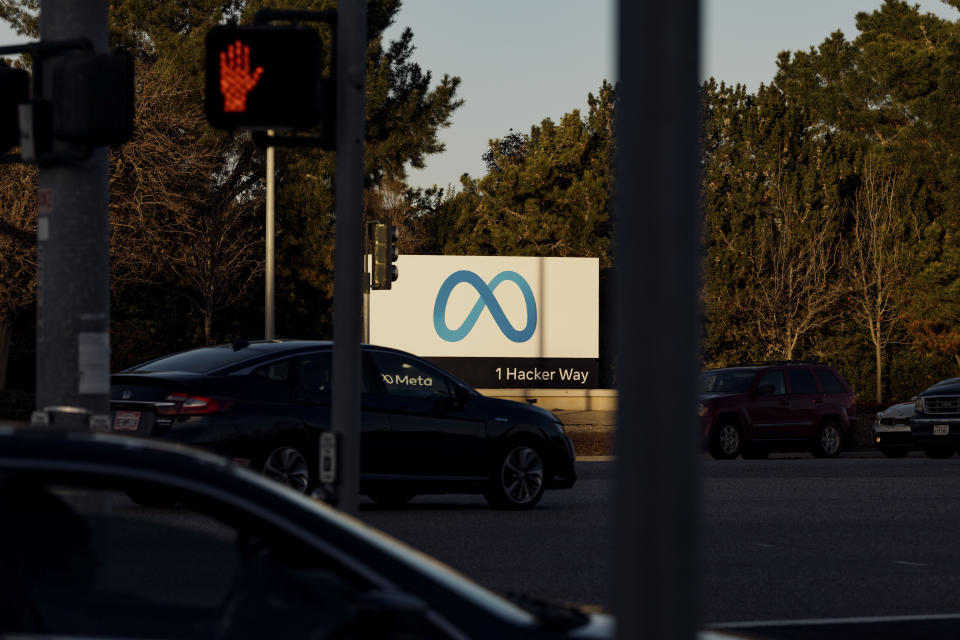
column 236, row 81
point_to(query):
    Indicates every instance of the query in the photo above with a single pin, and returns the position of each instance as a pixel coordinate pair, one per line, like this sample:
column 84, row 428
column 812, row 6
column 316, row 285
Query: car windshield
column 725, row 381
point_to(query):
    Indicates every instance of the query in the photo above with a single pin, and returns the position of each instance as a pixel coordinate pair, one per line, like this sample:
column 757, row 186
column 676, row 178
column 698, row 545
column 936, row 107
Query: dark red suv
column 749, row 410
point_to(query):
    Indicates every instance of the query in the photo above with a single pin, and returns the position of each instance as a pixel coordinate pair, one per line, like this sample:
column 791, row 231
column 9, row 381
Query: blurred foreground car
column 423, row 431
column 243, row 558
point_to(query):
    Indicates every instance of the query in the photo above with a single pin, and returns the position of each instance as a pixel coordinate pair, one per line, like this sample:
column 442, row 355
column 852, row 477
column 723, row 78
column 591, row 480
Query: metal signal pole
column 656, row 503
column 268, row 319
column 348, row 272
column 73, row 288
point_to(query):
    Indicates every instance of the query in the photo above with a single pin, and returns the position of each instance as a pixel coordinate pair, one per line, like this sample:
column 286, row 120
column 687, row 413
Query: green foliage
column 889, row 94
column 187, row 201
column 545, row 194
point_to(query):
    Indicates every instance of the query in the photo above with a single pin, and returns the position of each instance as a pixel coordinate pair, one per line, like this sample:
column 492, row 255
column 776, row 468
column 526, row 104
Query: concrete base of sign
column 562, row 399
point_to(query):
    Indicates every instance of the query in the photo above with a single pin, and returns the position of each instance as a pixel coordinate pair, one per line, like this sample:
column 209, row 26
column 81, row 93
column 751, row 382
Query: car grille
column 940, row 405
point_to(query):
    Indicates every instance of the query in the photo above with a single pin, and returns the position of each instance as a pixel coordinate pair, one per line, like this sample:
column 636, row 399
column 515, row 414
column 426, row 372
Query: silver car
column 891, row 430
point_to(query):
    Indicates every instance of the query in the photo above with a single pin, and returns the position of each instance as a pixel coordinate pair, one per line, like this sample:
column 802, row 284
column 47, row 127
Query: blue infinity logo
column 486, row 300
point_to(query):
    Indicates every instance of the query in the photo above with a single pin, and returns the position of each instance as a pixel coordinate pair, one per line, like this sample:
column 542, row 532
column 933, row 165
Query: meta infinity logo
column 487, row 300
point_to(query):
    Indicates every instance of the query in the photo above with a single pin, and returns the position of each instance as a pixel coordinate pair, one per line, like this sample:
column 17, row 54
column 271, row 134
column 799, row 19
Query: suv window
column 801, row 381
column 776, row 379
column 725, row 381
column 829, row 381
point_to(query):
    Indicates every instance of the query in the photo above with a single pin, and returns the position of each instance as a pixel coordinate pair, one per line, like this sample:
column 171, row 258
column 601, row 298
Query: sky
column 521, row 61
column 524, row 60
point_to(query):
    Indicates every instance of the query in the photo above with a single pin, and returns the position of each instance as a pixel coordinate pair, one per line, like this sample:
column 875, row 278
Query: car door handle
column 818, row 402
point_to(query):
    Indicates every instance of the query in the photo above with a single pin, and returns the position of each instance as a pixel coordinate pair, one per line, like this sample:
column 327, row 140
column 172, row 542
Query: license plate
column 126, row 421
column 941, row 429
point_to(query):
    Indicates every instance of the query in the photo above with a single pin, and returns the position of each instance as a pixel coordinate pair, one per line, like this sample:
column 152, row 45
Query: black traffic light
column 14, row 91
column 383, row 236
column 264, row 77
column 93, row 98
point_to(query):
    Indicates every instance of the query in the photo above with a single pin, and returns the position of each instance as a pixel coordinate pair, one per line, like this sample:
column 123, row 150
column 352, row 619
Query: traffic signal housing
column 93, row 98
column 14, row 91
column 264, row 77
column 383, row 235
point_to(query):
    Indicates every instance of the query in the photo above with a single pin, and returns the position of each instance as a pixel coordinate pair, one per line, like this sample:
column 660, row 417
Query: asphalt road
column 781, row 539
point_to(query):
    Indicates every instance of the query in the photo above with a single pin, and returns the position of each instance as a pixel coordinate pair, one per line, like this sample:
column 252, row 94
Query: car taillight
column 185, row 404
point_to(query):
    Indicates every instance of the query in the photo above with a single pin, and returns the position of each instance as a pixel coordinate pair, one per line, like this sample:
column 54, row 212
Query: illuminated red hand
column 236, row 81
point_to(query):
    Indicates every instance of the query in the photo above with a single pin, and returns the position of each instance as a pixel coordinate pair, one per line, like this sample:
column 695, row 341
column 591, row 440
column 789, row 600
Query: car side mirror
column 765, row 389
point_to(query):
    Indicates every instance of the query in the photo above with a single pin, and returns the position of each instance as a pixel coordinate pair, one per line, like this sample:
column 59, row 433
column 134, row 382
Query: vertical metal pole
column 657, row 258
column 73, row 287
column 347, row 282
column 268, row 326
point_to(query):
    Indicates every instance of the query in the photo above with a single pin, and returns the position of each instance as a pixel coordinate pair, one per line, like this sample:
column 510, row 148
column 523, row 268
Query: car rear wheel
column 288, row 465
column 894, row 453
column 829, row 440
column 939, row 450
column 517, row 482
column 726, row 441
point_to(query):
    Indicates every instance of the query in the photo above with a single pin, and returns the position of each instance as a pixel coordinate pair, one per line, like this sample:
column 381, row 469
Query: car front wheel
column 726, row 441
column 517, row 482
column 829, row 440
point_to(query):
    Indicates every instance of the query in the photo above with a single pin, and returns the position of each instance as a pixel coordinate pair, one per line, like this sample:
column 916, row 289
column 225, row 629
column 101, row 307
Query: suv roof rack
column 771, row 363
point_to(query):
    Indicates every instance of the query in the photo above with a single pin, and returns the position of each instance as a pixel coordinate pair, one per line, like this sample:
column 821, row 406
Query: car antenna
column 239, row 343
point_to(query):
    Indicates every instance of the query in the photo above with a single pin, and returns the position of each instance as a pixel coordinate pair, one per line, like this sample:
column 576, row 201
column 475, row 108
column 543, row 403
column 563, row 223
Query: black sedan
column 243, row 557
column 423, row 431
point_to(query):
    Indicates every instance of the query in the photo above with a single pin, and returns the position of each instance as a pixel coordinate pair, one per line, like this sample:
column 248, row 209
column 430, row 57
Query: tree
column 790, row 276
column 877, row 262
column 892, row 91
column 772, row 206
column 545, row 194
column 182, row 221
column 185, row 213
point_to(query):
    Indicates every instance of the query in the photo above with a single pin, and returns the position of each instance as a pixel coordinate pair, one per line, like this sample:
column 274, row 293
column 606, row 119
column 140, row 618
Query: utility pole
column 269, row 330
column 73, row 288
column 657, row 181
column 348, row 281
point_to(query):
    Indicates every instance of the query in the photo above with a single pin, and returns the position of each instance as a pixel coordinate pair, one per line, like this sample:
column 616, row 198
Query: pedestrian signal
column 264, row 78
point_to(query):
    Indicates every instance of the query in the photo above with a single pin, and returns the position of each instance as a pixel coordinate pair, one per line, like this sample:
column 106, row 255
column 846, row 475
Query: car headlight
column 918, row 404
column 702, row 409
